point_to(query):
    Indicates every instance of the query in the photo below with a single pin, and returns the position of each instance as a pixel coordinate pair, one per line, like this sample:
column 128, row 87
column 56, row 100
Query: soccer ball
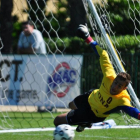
column 63, row 132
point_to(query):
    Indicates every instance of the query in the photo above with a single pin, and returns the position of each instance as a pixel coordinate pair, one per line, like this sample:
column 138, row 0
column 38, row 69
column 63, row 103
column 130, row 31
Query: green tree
column 72, row 9
column 120, row 17
column 6, row 25
column 77, row 15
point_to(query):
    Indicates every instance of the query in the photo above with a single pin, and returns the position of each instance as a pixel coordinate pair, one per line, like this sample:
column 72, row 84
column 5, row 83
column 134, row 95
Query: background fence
column 92, row 74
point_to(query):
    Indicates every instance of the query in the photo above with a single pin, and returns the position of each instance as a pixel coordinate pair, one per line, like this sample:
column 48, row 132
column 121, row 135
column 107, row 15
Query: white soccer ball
column 63, row 132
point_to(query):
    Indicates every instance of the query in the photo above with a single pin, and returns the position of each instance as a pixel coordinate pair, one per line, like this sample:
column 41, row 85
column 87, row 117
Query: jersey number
column 104, row 103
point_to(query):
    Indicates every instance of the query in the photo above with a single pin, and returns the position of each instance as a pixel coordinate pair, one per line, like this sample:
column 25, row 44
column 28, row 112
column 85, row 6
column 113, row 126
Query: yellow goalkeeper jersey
column 100, row 100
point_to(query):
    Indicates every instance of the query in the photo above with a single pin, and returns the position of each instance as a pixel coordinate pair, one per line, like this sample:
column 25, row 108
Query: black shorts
column 84, row 114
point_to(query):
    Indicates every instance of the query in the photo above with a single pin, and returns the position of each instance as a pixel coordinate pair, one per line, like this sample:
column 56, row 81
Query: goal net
column 37, row 86
column 34, row 88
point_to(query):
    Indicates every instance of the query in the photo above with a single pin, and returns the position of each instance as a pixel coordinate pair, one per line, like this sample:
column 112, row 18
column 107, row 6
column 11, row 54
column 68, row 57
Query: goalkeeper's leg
column 74, row 105
column 60, row 119
column 81, row 113
column 83, row 117
column 72, row 119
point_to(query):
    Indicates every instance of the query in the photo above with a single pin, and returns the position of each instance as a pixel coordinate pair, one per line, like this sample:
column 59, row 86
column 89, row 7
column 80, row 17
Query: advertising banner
column 52, row 80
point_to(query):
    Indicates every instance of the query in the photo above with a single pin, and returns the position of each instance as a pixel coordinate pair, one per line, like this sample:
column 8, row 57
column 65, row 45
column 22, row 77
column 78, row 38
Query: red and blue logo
column 62, row 79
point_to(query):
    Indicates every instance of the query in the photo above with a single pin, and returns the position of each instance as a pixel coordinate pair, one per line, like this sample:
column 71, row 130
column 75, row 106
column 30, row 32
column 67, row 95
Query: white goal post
column 112, row 50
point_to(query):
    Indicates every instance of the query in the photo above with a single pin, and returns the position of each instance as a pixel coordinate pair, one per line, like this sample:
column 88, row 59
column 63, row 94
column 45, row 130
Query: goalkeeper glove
column 82, row 32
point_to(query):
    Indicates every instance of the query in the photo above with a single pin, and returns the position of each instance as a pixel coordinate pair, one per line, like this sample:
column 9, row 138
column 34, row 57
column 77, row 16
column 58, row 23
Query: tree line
column 69, row 14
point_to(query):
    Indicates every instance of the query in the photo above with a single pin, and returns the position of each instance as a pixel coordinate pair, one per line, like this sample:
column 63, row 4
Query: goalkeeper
column 96, row 105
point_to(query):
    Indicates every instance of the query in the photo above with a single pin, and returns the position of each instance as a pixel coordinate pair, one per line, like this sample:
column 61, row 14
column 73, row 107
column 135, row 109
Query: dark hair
column 123, row 76
column 28, row 22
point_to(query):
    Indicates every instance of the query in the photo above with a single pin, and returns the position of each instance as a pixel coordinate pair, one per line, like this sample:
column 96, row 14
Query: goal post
column 112, row 50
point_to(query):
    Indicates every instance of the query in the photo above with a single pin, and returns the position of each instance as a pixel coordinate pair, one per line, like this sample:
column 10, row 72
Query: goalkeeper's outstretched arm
column 105, row 63
column 83, row 33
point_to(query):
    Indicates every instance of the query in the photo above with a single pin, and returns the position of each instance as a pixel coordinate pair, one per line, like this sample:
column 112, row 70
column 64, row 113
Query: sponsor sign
column 39, row 80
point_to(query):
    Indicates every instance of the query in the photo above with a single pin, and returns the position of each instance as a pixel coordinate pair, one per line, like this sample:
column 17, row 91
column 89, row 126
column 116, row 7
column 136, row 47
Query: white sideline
column 52, row 129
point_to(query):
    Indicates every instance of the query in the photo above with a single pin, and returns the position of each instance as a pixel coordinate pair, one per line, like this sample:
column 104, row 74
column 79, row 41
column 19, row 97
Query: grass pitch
column 103, row 134
column 39, row 120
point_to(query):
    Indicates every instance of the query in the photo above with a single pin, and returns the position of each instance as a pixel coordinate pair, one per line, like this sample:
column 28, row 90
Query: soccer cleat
column 80, row 128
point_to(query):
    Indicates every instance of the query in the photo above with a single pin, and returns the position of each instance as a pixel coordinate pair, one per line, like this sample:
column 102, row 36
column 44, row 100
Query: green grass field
column 103, row 134
column 39, row 120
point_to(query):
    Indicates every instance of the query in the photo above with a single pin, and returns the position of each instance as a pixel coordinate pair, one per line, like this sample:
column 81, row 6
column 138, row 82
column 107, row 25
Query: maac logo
column 62, row 79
